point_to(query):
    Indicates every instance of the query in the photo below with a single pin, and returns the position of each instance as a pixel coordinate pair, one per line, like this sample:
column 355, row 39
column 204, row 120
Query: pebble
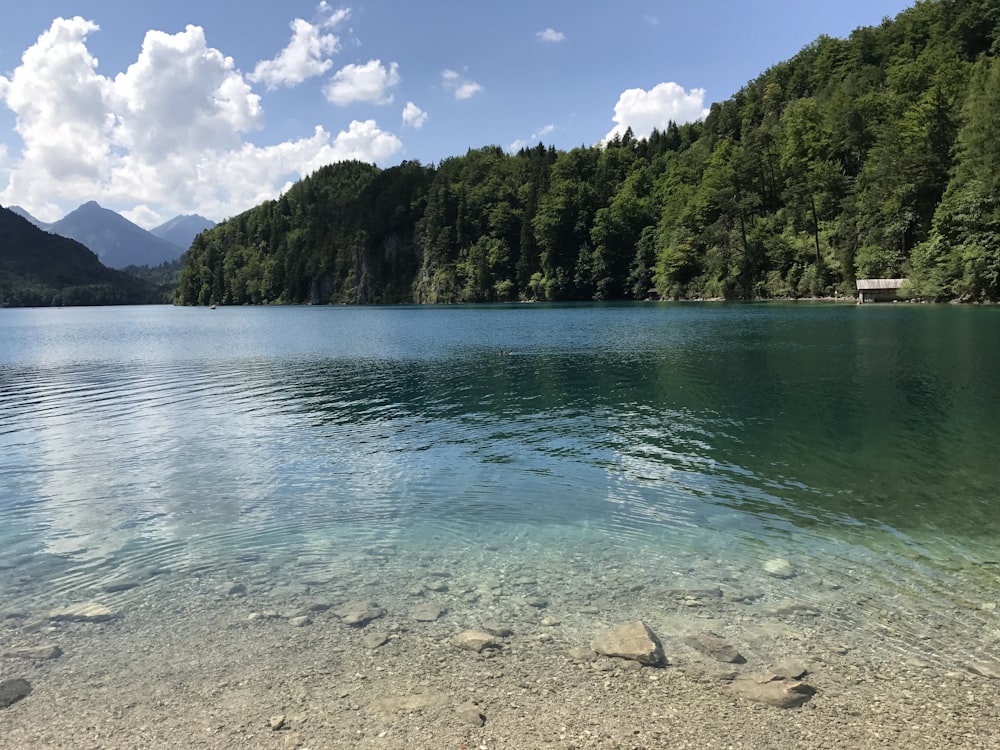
column 300, row 621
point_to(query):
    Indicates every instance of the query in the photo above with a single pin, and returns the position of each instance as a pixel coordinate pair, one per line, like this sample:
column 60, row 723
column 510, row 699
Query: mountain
column 116, row 240
column 39, row 269
column 181, row 230
column 24, row 214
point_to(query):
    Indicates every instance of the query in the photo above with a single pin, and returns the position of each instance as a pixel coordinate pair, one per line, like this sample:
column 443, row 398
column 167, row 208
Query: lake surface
column 578, row 445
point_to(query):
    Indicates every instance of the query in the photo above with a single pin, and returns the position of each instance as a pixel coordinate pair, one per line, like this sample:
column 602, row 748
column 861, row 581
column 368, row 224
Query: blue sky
column 210, row 107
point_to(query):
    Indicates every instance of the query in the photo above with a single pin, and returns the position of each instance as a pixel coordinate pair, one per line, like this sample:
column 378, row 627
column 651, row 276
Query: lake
column 607, row 457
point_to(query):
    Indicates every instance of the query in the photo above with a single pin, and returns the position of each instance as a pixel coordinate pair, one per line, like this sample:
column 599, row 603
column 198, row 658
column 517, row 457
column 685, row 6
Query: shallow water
column 691, row 442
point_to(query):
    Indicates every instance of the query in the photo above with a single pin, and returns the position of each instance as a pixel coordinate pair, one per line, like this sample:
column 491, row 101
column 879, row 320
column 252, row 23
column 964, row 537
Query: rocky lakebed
column 403, row 648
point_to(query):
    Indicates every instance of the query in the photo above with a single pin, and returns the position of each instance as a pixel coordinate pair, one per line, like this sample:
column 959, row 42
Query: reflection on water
column 859, row 440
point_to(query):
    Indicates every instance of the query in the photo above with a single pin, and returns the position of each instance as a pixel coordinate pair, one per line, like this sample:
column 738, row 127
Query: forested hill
column 866, row 157
column 39, row 269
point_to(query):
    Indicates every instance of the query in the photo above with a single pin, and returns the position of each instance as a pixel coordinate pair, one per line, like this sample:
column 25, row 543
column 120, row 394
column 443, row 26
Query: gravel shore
column 295, row 659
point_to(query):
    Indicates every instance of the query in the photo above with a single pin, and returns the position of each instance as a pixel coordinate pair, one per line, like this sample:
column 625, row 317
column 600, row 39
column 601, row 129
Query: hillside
column 859, row 157
column 116, row 240
column 39, row 269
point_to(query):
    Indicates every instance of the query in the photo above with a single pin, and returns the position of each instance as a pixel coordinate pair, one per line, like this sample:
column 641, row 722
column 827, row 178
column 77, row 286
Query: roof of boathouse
column 874, row 285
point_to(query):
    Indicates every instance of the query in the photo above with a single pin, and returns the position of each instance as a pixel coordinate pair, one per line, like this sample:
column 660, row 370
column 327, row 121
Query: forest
column 871, row 156
column 39, row 269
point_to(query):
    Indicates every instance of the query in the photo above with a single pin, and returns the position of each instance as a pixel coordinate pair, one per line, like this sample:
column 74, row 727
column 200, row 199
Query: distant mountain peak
column 181, row 230
column 117, row 241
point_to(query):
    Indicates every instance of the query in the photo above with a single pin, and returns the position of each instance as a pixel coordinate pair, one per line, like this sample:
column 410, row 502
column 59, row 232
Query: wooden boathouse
column 878, row 290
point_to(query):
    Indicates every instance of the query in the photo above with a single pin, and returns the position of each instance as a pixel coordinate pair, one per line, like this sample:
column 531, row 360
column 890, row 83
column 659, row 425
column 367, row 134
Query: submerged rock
column 38, row 653
column 427, row 612
column 476, row 640
column 83, row 612
column 779, row 567
column 470, row 714
column 406, row 703
column 989, row 669
column 713, row 645
column 772, row 689
column 13, row 690
column 359, row 613
column 633, row 641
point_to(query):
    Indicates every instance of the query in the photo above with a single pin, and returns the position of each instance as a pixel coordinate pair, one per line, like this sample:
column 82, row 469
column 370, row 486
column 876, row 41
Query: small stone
column 550, row 622
column 359, row 613
column 375, row 640
column 84, row 612
column 277, row 722
column 713, row 645
column 476, row 640
column 774, row 690
column 631, row 641
column 427, row 612
column 300, row 622
column 13, row 690
column 471, row 715
column 779, row 567
column 38, row 653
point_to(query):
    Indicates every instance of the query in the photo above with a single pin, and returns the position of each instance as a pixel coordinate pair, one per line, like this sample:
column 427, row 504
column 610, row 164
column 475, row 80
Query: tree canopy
column 861, row 157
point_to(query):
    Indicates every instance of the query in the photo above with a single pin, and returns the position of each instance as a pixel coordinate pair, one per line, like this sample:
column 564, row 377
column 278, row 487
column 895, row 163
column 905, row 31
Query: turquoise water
column 697, row 441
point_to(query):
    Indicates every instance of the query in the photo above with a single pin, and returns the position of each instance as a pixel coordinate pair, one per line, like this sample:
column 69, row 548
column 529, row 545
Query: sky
column 212, row 107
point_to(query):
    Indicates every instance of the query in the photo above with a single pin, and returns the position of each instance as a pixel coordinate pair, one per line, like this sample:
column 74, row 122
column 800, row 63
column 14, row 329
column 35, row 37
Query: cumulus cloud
column 414, row 116
column 550, row 35
column 644, row 110
column 460, row 86
column 306, row 55
column 166, row 136
column 535, row 138
column 363, row 83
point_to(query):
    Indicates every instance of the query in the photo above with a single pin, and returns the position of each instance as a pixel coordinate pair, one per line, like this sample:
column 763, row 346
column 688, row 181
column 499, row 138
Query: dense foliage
column 38, row 269
column 866, row 157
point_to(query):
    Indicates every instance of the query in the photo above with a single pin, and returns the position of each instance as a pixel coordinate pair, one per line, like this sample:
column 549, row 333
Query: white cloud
column 644, row 110
column 550, row 35
column 535, row 137
column 462, row 88
column 162, row 138
column 306, row 55
column 363, row 83
column 414, row 116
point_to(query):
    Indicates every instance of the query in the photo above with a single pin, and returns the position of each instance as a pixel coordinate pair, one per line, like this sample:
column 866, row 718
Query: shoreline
column 259, row 655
